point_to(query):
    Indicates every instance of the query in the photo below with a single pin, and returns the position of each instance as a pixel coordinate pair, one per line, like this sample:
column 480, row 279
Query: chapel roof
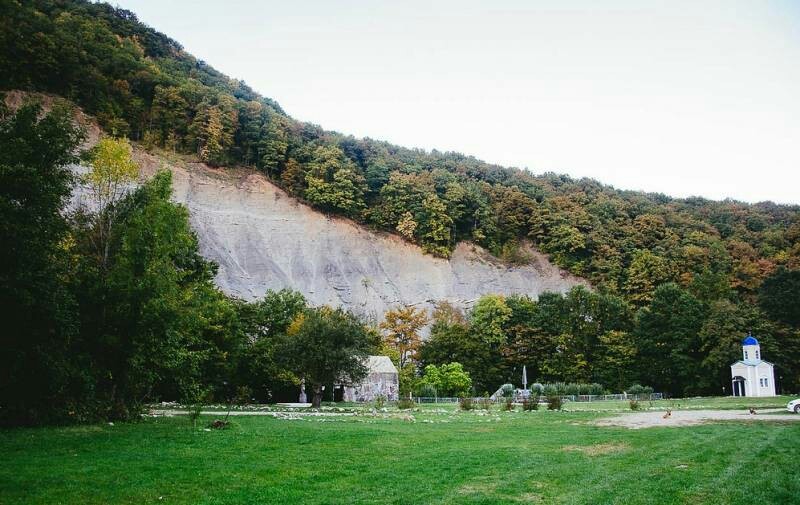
column 380, row 364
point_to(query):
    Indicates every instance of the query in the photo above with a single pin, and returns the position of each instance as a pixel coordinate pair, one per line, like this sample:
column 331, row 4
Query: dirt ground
column 653, row 419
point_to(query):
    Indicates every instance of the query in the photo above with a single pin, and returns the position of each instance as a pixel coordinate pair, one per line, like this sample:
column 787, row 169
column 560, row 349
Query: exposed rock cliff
column 264, row 239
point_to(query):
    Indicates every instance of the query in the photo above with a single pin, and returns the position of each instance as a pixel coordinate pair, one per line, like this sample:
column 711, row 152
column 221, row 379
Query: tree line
column 108, row 307
column 106, row 310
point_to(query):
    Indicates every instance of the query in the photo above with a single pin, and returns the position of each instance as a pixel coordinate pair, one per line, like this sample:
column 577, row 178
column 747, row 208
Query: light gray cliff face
column 263, row 239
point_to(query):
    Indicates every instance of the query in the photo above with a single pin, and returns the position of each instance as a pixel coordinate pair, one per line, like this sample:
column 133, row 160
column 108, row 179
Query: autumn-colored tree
column 274, row 145
column 113, row 170
column 169, row 115
column 293, row 177
column 401, row 331
column 407, row 226
column 434, row 227
column 647, row 271
column 213, row 129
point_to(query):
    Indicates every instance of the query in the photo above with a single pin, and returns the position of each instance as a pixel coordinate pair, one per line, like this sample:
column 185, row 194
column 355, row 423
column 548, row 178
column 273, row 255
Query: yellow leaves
column 296, row 325
column 407, row 226
column 402, row 326
column 112, row 166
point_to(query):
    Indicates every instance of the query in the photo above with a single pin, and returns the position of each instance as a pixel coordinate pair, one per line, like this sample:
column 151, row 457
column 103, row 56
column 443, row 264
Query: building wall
column 374, row 385
column 752, row 375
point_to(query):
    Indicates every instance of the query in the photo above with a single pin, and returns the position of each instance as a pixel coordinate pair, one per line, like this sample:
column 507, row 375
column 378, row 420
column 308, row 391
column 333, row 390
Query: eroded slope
column 264, row 239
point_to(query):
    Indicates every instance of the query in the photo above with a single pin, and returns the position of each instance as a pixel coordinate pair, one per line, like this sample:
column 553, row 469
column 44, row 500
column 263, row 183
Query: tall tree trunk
column 316, row 401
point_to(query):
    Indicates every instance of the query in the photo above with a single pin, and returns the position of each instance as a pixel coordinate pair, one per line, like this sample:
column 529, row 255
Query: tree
column 453, row 340
column 38, row 312
column 345, row 193
column 110, row 178
column 169, row 115
column 251, row 119
column 213, row 128
column 333, row 182
column 293, row 178
column 668, row 340
column 616, row 360
column 325, row 346
column 565, row 361
column 779, row 295
column 434, row 226
column 153, row 317
column 264, row 323
column 407, row 226
column 401, row 331
column 449, row 379
column 647, row 271
column 274, row 145
column 489, row 317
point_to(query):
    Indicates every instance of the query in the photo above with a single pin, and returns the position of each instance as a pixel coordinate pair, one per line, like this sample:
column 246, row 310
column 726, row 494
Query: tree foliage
column 325, row 346
column 401, row 328
column 141, row 83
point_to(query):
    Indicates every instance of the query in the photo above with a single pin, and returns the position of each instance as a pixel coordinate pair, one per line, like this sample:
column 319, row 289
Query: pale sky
column 679, row 97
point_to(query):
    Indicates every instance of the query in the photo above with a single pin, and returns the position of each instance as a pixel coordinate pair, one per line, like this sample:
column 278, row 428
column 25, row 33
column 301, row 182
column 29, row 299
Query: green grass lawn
column 715, row 402
column 445, row 456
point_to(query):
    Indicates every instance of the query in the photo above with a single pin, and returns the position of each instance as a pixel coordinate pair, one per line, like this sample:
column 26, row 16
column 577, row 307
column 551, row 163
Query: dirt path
column 652, row 419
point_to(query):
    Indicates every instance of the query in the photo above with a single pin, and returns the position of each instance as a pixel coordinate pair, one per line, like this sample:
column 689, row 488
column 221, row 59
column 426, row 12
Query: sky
column 686, row 98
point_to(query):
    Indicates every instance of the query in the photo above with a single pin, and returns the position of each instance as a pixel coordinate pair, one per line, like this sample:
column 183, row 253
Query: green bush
column 466, row 403
column 507, row 390
column 550, row 390
column 591, row 389
column 635, row 405
column 380, row 401
column 554, row 402
column 507, row 405
column 568, row 389
column 485, row 403
column 638, row 389
column 427, row 390
column 405, row 403
column 531, row 403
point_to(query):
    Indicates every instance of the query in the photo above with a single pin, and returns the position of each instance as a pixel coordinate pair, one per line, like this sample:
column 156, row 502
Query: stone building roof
column 380, row 364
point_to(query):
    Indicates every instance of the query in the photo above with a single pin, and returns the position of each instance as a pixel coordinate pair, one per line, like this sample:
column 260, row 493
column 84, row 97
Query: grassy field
column 443, row 456
column 716, row 402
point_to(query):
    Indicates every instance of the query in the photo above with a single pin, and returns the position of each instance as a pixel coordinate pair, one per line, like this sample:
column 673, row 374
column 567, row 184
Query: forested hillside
column 677, row 282
column 140, row 83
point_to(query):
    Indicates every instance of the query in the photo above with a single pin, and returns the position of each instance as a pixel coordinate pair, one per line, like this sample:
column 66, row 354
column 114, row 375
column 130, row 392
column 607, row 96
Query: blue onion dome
column 749, row 340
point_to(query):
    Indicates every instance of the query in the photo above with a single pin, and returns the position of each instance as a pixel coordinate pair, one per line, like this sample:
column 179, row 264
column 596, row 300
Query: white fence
column 543, row 399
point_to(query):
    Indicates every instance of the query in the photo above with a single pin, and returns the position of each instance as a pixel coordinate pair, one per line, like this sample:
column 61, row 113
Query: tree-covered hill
column 142, row 84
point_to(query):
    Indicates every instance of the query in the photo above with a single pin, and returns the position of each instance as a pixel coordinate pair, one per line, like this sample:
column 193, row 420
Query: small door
column 738, row 386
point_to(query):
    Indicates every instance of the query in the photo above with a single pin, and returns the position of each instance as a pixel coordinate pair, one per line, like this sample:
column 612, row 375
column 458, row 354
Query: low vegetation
column 443, row 455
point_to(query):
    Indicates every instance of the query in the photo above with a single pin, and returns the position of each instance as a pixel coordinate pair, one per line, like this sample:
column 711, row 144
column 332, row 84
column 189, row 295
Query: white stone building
column 752, row 376
column 381, row 380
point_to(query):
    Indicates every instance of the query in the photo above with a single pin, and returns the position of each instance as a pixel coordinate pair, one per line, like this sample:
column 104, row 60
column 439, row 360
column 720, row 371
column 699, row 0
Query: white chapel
column 752, row 376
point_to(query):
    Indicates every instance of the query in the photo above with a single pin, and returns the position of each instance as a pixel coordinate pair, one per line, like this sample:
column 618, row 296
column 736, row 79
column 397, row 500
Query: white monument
column 752, row 376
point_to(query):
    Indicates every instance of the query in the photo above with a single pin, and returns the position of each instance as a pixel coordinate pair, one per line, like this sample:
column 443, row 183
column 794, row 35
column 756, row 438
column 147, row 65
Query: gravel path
column 652, row 419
